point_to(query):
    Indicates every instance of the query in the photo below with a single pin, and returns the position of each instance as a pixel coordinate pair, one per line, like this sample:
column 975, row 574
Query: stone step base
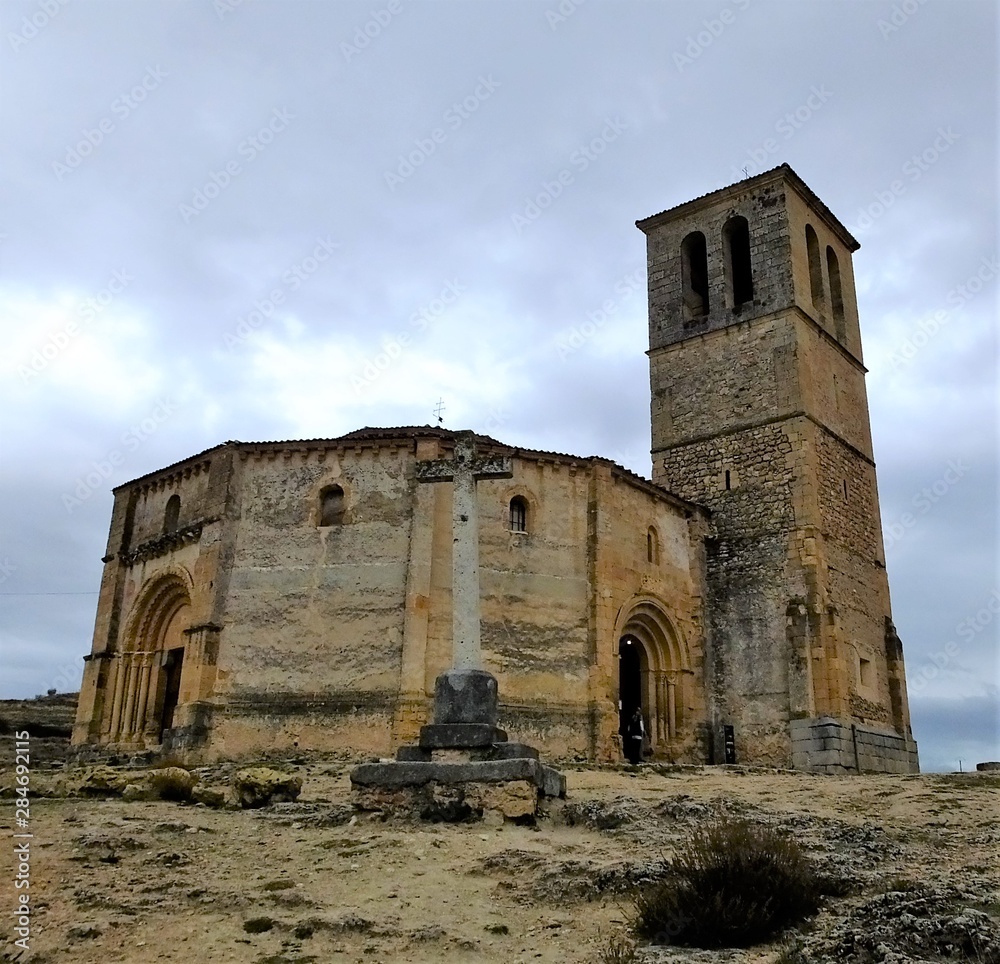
column 399, row 773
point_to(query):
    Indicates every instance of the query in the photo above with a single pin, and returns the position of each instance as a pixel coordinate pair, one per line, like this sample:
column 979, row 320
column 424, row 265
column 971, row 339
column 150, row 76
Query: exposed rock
column 209, row 796
column 258, row 925
column 922, row 924
column 98, row 781
column 259, row 786
column 172, row 783
column 514, row 800
column 598, row 815
column 134, row 792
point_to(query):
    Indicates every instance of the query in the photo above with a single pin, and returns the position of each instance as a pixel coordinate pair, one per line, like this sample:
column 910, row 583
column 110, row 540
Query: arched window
column 172, row 513
column 815, row 268
column 736, row 238
column 836, row 293
column 518, row 514
column 331, row 506
column 694, row 274
column 652, row 546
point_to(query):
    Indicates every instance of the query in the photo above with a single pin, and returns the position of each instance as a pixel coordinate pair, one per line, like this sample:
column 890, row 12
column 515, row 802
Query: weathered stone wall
column 799, row 212
column 759, row 412
column 831, row 746
column 658, row 599
column 535, row 596
column 123, row 678
column 312, row 641
column 764, row 208
column 332, row 636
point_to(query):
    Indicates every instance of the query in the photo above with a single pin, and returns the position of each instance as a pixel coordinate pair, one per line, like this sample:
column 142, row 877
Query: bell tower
column 759, row 412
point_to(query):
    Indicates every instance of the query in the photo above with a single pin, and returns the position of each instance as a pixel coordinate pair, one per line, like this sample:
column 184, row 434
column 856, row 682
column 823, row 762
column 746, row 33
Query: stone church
column 267, row 596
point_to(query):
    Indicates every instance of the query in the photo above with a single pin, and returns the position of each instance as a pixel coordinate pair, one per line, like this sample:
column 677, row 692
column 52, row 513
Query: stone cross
column 463, row 470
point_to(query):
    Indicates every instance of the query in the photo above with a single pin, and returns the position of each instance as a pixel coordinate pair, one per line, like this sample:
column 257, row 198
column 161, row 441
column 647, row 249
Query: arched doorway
column 652, row 673
column 149, row 684
column 630, row 667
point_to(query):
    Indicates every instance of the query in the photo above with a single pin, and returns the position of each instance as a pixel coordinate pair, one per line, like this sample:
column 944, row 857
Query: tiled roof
column 782, row 170
column 414, row 432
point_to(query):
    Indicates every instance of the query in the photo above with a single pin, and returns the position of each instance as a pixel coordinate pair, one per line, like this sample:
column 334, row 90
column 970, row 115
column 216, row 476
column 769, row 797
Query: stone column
column 128, row 717
column 115, row 708
column 648, row 678
column 672, row 708
column 144, row 668
column 467, row 652
column 663, row 731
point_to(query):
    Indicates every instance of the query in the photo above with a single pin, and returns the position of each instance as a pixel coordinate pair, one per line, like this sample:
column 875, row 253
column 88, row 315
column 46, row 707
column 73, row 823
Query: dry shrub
column 733, row 884
column 618, row 949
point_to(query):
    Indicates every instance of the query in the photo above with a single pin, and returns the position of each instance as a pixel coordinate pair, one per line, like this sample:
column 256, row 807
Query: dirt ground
column 313, row 881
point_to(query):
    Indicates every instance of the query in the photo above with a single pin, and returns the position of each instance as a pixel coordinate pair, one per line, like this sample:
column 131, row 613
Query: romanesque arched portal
column 652, row 672
column 151, row 664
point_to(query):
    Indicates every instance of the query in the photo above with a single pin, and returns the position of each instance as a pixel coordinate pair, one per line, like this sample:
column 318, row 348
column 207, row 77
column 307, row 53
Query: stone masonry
column 273, row 596
column 759, row 412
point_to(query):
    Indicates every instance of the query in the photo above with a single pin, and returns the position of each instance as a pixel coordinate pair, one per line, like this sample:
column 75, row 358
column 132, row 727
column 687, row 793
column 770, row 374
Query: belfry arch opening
column 736, row 237
column 694, row 275
column 652, row 674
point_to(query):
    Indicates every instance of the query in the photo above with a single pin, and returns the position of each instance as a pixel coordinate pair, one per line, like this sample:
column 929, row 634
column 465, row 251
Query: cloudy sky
column 264, row 220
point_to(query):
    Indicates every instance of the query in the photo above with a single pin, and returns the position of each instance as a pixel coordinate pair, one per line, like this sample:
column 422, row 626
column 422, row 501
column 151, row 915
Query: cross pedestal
column 463, row 748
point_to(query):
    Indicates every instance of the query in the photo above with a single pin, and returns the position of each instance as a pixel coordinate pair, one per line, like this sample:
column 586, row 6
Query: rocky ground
column 314, row 881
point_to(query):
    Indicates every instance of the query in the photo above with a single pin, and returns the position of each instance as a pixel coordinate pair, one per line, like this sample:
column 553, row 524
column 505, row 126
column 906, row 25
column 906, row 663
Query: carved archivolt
column 157, row 603
column 646, row 619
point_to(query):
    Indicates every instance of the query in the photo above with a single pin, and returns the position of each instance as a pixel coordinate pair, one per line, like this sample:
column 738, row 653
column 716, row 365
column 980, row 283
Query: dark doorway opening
column 629, row 680
column 173, row 663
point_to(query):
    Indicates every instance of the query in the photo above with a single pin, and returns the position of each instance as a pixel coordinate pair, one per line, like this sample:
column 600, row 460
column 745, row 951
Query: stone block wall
column 759, row 412
column 832, row 746
column 764, row 208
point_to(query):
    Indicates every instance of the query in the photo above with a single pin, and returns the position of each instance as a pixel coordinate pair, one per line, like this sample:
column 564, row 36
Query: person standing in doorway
column 635, row 733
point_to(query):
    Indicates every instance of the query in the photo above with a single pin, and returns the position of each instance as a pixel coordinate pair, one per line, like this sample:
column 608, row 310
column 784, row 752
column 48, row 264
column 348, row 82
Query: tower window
column 518, row 514
column 836, row 293
column 865, row 671
column 736, row 237
column 729, row 481
column 845, row 488
column 694, row 274
column 815, row 268
column 172, row 513
column 331, row 506
column 652, row 546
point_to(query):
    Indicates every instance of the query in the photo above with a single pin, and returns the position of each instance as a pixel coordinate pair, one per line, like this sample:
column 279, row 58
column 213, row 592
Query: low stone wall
column 826, row 745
